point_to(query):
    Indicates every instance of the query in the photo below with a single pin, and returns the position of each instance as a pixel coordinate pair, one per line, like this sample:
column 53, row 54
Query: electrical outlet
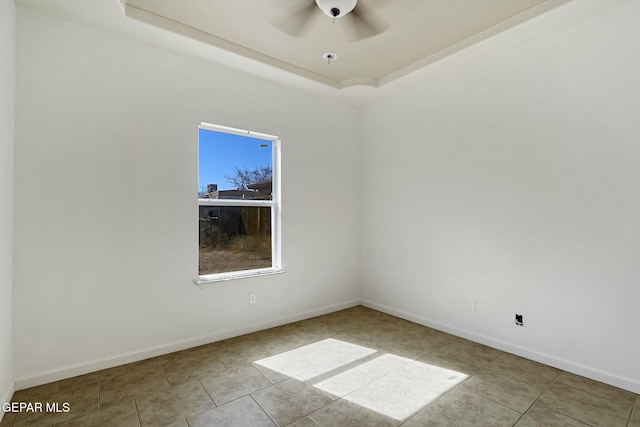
column 519, row 320
column 252, row 298
column 471, row 304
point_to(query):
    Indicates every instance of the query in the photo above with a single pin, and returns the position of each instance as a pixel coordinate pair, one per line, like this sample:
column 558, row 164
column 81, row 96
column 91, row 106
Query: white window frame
column 274, row 204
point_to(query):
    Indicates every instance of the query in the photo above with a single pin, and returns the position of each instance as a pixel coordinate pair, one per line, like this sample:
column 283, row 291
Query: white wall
column 513, row 178
column 106, row 229
column 7, row 92
column 508, row 177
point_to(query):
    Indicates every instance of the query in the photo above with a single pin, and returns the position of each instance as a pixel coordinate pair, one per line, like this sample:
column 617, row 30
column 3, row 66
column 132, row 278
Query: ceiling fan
column 359, row 18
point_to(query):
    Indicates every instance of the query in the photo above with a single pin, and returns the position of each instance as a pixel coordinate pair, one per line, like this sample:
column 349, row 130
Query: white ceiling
column 248, row 35
column 415, row 30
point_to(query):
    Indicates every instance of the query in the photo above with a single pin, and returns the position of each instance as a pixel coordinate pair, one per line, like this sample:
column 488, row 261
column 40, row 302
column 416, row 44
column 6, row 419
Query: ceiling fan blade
column 297, row 24
column 364, row 24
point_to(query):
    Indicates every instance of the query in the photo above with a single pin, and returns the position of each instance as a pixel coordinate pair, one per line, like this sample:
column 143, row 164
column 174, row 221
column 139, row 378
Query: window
column 238, row 203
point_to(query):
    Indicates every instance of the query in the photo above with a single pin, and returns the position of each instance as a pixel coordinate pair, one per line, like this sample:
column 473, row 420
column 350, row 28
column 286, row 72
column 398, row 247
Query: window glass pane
column 234, row 167
column 230, row 168
column 234, row 238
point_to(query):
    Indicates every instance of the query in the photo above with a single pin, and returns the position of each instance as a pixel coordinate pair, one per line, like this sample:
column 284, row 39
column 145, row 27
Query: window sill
column 212, row 280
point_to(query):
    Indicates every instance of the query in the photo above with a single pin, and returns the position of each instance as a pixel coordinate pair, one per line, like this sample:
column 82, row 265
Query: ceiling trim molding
column 199, row 35
column 191, row 32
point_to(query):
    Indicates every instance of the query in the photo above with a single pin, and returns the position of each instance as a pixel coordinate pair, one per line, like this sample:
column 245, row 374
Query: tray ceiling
column 417, row 32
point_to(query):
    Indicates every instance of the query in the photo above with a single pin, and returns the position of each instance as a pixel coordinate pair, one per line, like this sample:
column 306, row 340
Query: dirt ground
column 220, row 261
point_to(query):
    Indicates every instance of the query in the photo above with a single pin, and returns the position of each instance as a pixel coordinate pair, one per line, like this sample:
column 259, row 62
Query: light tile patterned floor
column 356, row 367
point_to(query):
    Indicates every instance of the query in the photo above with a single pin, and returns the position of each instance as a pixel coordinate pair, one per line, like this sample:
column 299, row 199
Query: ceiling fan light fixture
column 336, row 8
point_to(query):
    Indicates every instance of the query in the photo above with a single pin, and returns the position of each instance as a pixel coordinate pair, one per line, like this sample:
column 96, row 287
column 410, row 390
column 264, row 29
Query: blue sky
column 219, row 154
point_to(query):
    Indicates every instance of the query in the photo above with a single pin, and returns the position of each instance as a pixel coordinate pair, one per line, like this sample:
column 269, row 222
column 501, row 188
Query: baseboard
column 86, row 368
column 7, row 397
column 528, row 353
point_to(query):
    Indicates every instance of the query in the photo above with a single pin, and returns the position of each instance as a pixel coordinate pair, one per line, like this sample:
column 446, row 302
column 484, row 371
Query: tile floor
column 356, row 367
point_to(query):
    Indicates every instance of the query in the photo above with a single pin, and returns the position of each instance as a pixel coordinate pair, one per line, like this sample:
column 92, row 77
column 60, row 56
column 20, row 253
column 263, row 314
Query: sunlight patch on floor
column 349, row 380
column 388, row 384
column 315, row 359
column 405, row 391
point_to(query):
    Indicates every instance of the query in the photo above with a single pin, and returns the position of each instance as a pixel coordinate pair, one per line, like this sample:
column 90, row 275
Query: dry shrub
column 211, row 236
